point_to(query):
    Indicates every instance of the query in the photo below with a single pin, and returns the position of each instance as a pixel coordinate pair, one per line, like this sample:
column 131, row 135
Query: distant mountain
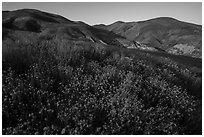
column 163, row 33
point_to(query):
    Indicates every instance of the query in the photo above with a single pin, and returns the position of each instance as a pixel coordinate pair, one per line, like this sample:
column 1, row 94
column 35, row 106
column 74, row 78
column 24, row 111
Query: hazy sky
column 107, row 13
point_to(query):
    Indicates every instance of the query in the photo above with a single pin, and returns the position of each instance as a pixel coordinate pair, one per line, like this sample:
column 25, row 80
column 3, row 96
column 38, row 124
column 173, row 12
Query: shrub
column 83, row 90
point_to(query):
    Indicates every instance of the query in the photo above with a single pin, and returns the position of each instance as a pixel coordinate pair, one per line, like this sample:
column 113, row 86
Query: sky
column 106, row 13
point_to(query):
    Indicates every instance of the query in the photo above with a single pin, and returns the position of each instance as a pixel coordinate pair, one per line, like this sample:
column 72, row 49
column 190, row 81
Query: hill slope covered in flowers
column 65, row 77
column 56, row 88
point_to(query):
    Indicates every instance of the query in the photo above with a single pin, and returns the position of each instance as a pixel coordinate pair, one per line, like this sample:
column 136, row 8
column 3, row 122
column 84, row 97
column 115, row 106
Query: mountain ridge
column 163, row 32
column 159, row 34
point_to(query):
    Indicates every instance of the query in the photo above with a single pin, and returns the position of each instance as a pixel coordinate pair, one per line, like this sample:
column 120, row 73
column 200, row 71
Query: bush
column 83, row 90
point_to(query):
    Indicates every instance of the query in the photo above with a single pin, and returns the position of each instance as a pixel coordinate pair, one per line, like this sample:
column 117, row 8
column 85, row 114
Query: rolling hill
column 37, row 25
column 165, row 33
column 64, row 77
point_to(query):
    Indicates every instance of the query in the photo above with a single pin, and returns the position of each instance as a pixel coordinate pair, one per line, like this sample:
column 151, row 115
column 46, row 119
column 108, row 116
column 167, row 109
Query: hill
column 47, row 25
column 165, row 33
column 65, row 77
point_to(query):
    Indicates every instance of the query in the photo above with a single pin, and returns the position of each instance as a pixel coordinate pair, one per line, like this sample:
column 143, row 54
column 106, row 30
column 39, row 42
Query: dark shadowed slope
column 165, row 33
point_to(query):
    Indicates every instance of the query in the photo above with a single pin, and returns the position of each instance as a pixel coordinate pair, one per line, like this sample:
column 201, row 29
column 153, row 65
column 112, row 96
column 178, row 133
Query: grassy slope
column 85, row 89
column 57, row 84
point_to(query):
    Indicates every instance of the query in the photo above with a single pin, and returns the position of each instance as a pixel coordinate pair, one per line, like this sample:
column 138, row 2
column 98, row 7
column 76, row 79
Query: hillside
column 165, row 33
column 47, row 26
column 61, row 77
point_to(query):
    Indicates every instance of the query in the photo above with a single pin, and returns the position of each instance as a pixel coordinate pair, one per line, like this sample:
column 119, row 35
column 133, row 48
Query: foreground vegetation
column 52, row 88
